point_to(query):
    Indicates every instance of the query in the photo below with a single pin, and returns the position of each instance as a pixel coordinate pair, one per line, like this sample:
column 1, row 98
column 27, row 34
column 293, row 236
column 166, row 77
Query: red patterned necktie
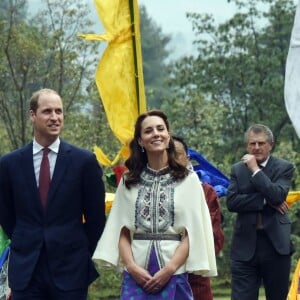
column 45, row 179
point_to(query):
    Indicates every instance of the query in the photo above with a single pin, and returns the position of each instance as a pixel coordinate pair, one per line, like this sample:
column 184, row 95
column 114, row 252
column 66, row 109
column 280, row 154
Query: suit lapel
column 27, row 168
column 268, row 169
column 62, row 162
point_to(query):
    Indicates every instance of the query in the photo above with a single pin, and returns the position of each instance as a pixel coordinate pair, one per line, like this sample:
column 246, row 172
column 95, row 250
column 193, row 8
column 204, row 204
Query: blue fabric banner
column 208, row 173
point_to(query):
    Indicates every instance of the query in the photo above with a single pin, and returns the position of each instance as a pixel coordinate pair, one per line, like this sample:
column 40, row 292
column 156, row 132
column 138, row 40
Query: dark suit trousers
column 42, row 287
column 267, row 267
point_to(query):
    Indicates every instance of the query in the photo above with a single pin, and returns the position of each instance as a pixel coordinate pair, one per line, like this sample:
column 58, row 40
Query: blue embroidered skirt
column 177, row 287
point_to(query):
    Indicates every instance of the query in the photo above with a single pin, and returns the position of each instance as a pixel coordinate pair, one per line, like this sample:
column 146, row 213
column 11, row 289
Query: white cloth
column 292, row 75
column 187, row 210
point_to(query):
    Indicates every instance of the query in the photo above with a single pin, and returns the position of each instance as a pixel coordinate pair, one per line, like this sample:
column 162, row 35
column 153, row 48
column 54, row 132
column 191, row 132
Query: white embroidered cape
column 176, row 207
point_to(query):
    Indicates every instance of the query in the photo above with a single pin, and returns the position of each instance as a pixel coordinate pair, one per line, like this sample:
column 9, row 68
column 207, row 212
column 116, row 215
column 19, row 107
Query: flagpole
column 131, row 9
column 137, row 56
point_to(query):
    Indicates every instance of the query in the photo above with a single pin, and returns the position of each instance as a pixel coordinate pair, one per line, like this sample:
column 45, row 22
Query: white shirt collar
column 53, row 147
column 263, row 164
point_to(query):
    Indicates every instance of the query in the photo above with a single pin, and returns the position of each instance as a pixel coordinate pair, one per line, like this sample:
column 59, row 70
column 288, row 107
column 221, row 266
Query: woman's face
column 154, row 134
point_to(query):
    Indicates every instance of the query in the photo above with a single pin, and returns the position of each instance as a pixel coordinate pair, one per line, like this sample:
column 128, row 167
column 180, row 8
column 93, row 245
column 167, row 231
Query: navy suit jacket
column 76, row 190
column 247, row 195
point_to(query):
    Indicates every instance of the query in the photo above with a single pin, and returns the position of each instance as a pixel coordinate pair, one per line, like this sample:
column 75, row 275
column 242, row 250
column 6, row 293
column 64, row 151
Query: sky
column 170, row 15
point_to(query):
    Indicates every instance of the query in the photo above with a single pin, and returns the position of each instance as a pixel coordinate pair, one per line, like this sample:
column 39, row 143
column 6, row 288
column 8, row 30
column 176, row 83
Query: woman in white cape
column 155, row 230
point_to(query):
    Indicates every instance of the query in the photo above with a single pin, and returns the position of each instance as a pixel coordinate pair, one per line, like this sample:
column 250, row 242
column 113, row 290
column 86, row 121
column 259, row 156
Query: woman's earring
column 142, row 149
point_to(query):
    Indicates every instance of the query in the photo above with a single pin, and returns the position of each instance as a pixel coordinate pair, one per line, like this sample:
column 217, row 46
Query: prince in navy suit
column 51, row 245
column 261, row 244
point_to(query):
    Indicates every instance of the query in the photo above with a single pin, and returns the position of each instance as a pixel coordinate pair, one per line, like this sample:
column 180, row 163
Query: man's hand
column 8, row 295
column 250, row 161
column 281, row 208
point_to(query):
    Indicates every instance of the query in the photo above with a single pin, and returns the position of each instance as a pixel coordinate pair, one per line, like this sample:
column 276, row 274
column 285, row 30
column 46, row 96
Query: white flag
column 292, row 75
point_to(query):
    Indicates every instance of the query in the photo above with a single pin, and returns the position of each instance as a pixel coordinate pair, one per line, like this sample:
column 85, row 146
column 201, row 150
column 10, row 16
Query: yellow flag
column 292, row 197
column 119, row 75
column 294, row 293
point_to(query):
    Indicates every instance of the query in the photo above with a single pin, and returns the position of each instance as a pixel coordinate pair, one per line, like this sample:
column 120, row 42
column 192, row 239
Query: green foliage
column 239, row 68
column 191, row 117
column 236, row 79
column 42, row 52
column 107, row 286
column 154, row 53
column 286, row 151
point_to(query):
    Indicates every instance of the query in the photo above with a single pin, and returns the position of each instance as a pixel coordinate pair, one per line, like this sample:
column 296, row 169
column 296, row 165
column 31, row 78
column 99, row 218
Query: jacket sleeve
column 93, row 202
column 7, row 214
column 275, row 188
column 242, row 195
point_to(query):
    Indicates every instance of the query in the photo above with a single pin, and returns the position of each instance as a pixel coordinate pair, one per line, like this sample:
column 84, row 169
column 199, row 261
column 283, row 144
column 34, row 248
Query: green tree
column 44, row 52
column 191, row 117
column 155, row 55
column 241, row 64
column 13, row 70
column 235, row 79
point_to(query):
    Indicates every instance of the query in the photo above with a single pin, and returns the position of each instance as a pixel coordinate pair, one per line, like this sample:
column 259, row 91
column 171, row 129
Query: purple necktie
column 44, row 180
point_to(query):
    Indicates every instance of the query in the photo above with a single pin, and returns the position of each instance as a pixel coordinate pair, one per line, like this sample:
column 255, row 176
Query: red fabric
column 119, row 170
column 214, row 207
column 201, row 285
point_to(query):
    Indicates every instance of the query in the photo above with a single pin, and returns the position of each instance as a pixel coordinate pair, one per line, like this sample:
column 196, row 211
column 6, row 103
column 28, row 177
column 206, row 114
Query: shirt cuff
column 255, row 172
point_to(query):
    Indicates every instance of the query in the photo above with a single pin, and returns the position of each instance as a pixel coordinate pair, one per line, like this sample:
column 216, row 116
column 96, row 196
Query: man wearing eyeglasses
column 261, row 246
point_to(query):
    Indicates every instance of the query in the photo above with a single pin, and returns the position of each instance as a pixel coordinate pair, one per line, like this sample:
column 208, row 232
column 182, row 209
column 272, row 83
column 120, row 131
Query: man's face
column 259, row 146
column 48, row 119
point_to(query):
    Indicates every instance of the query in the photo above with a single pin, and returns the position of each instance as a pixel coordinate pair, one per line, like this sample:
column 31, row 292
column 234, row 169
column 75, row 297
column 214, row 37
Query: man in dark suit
column 261, row 245
column 52, row 242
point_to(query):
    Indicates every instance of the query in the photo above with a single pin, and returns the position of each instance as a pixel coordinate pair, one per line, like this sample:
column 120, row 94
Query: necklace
column 154, row 170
